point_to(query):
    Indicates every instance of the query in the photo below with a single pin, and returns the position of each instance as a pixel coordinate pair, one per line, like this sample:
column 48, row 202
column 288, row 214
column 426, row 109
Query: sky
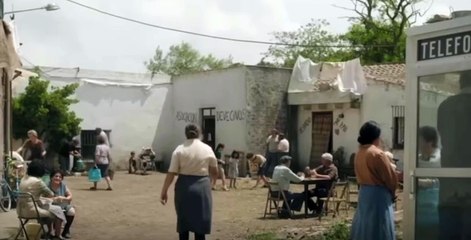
column 77, row 37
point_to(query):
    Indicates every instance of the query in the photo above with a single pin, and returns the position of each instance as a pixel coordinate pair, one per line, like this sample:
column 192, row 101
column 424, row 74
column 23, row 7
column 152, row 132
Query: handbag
column 94, row 174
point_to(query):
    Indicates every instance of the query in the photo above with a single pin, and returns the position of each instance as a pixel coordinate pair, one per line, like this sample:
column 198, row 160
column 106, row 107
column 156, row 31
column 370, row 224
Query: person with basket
column 102, row 162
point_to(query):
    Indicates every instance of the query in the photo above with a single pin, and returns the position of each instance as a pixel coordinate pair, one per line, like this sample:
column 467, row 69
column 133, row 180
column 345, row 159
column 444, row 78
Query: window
column 88, row 143
column 398, row 113
column 208, row 112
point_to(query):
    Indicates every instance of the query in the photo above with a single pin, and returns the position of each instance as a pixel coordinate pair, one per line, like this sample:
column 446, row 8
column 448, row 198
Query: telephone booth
column 437, row 171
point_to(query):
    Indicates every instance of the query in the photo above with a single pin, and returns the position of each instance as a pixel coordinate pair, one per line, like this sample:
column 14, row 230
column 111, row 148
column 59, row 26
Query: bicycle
column 5, row 195
column 8, row 196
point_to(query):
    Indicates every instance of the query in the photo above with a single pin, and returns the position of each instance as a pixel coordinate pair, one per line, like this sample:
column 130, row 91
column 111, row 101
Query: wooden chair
column 336, row 200
column 330, row 195
column 273, row 200
column 25, row 198
column 353, row 190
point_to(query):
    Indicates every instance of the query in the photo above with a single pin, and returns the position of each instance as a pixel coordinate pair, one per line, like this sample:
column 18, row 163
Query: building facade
column 236, row 106
column 134, row 109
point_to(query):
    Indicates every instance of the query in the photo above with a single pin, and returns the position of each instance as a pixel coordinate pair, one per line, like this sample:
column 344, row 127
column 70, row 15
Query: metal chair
column 275, row 197
column 24, row 218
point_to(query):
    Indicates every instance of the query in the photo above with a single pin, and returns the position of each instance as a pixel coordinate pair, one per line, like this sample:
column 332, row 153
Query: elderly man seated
column 283, row 175
column 327, row 171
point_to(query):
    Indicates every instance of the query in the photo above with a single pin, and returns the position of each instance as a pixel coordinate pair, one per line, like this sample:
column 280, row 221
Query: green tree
column 312, row 41
column 378, row 29
column 183, row 58
column 47, row 110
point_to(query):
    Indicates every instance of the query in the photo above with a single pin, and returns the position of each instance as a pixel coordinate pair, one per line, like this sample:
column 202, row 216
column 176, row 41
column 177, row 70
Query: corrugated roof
column 394, row 73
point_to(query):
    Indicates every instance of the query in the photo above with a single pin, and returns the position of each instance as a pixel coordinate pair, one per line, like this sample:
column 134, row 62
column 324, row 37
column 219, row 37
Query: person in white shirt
column 284, row 176
column 283, row 145
column 259, row 161
column 427, row 213
column 100, row 132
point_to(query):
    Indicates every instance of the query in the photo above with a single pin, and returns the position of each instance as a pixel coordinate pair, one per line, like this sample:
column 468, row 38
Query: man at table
column 284, row 176
column 327, row 171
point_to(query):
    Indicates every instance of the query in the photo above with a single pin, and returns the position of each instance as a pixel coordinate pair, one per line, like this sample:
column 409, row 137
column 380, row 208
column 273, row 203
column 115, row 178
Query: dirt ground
column 133, row 210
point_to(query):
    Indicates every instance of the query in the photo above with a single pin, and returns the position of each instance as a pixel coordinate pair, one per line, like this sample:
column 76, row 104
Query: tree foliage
column 47, row 110
column 377, row 35
column 378, row 29
column 301, row 42
column 183, row 58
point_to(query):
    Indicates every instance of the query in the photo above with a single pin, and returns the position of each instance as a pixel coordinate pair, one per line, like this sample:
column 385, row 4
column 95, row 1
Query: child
column 233, row 171
column 258, row 161
column 132, row 163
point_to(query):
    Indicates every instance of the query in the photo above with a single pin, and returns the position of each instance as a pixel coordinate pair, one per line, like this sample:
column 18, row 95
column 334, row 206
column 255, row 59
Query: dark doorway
column 209, row 126
column 322, row 125
column 88, row 142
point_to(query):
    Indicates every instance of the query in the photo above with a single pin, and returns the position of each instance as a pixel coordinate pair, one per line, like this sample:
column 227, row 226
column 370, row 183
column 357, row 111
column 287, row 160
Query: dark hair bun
column 192, row 131
column 369, row 132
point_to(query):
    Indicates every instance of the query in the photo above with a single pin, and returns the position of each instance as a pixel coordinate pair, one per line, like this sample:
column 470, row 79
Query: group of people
column 277, row 147
column 51, row 193
column 53, row 199
column 140, row 163
column 196, row 166
column 283, row 175
column 232, row 168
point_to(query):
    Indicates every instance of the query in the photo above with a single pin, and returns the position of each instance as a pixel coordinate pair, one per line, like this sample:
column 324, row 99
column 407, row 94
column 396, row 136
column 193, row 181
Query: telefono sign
column 444, row 46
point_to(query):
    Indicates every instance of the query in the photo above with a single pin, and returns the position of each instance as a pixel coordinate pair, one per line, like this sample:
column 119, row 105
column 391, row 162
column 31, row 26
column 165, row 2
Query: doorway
column 209, row 126
column 322, row 125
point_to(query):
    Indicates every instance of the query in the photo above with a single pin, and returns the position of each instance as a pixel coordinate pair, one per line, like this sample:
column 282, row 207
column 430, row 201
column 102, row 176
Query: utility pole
column 5, row 108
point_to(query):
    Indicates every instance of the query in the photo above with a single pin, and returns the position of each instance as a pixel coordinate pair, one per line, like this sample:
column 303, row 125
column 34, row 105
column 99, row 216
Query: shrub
column 338, row 231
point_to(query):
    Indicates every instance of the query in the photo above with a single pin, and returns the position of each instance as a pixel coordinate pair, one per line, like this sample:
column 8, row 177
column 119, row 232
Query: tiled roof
column 388, row 73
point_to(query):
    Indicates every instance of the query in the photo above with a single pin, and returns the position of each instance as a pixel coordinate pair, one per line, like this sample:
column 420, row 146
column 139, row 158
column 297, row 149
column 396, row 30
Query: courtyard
column 133, row 211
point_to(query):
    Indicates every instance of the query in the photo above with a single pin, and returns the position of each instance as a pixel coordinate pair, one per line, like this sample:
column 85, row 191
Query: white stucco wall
column 376, row 105
column 220, row 89
column 136, row 117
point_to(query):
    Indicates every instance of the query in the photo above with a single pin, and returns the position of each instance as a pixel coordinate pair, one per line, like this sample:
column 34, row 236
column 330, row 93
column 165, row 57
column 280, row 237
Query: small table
column 306, row 182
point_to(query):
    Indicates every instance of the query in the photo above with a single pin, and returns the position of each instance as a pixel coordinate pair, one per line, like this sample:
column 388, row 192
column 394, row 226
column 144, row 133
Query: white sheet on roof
column 147, row 86
column 347, row 76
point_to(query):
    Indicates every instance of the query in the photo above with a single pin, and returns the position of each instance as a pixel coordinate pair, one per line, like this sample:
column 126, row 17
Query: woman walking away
column 374, row 217
column 192, row 161
column 219, row 153
column 233, row 171
column 102, row 161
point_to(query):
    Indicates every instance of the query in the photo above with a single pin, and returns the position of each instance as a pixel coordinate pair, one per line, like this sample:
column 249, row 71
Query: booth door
column 441, row 177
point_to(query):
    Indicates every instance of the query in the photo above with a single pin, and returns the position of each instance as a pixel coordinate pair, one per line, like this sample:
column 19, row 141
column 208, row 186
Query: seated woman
column 146, row 157
column 33, row 184
column 63, row 198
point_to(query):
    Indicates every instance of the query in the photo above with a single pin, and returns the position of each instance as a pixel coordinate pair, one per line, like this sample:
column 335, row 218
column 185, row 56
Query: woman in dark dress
column 192, row 162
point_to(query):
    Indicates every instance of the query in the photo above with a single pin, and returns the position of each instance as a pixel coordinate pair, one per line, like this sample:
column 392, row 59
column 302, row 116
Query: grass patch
column 263, row 236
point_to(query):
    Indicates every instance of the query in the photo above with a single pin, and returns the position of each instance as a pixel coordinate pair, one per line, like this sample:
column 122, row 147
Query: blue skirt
column 374, row 217
column 193, row 204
